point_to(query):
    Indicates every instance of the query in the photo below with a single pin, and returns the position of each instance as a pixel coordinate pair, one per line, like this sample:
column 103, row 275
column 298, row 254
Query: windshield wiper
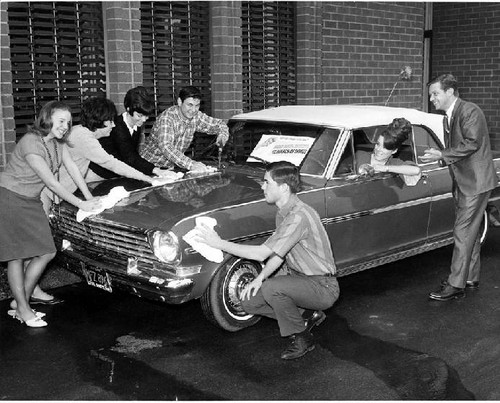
column 259, row 159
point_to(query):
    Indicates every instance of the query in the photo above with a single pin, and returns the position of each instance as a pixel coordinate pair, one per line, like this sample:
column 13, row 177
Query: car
column 139, row 244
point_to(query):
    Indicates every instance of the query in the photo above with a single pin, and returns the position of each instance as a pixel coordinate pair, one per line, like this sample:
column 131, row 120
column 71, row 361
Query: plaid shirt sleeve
column 210, row 125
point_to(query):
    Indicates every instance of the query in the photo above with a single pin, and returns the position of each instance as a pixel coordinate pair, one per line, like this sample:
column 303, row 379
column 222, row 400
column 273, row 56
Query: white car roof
column 346, row 116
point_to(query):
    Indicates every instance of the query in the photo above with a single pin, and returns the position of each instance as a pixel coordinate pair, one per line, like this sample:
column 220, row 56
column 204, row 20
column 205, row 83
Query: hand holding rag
column 114, row 196
column 209, row 253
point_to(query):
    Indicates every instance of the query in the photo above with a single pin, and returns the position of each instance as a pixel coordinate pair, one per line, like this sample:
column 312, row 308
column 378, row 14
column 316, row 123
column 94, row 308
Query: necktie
column 446, row 126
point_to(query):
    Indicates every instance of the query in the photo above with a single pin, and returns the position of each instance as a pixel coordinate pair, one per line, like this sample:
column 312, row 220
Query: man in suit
column 467, row 153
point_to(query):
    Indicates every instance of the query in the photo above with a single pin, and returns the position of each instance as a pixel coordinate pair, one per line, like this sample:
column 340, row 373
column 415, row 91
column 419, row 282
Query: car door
column 442, row 214
column 371, row 218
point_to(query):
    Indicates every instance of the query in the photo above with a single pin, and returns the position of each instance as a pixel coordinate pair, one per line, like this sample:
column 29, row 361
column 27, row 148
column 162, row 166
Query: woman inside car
column 383, row 157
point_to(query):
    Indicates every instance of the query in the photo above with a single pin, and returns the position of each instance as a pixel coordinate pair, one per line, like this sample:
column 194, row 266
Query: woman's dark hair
column 139, row 100
column 96, row 111
column 43, row 122
column 189, row 92
column 285, row 172
column 396, row 133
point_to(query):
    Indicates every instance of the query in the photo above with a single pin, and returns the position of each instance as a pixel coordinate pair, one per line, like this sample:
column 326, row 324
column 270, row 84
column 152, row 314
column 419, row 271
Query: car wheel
column 485, row 225
column 220, row 302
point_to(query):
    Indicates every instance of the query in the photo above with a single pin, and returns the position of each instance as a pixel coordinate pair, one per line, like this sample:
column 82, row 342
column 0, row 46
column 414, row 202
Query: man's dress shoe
column 447, row 292
column 315, row 319
column 471, row 285
column 300, row 344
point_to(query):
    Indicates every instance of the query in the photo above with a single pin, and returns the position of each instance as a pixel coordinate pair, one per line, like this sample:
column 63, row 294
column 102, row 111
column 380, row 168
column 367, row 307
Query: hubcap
column 241, row 274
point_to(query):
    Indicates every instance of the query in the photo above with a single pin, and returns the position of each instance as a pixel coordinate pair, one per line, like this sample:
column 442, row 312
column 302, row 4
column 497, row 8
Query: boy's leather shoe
column 447, row 292
column 315, row 319
column 471, row 285
column 300, row 344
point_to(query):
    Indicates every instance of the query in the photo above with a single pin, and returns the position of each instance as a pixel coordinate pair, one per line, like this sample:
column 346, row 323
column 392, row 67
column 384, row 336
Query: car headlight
column 166, row 246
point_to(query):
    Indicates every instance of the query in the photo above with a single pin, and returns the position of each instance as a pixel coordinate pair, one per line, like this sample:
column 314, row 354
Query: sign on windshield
column 272, row 148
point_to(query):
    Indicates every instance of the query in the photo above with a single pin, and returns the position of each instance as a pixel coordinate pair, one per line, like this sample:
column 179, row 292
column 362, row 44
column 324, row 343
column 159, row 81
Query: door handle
column 424, row 178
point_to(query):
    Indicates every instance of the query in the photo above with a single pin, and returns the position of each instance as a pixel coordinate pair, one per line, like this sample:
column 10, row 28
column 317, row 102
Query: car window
column 363, row 140
column 366, row 138
column 423, row 139
column 320, row 153
column 346, row 162
column 360, row 142
column 258, row 142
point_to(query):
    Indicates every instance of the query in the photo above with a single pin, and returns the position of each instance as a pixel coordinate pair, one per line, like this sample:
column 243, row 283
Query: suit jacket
column 468, row 150
column 124, row 147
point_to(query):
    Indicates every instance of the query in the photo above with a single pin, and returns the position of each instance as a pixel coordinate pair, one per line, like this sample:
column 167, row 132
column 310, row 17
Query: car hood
column 163, row 206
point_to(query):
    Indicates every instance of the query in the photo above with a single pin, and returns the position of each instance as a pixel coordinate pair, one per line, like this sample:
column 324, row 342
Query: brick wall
column 466, row 43
column 7, row 126
column 226, row 58
column 347, row 52
column 365, row 46
column 309, row 17
column 122, row 38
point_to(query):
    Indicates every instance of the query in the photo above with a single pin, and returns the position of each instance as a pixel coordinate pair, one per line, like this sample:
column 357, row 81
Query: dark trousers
column 285, row 297
column 465, row 263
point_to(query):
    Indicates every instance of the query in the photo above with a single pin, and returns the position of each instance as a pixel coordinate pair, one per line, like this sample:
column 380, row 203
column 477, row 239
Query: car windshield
column 261, row 142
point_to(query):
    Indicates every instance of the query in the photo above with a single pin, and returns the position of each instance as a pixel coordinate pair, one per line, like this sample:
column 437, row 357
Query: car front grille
column 102, row 239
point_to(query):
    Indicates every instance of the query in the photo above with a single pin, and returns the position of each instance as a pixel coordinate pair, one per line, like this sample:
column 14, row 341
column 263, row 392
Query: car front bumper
column 165, row 288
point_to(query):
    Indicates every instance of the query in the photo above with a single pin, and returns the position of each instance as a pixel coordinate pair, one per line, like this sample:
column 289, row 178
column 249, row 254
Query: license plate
column 96, row 277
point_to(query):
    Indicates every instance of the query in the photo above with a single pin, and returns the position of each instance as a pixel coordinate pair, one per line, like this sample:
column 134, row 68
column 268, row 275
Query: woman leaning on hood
column 26, row 233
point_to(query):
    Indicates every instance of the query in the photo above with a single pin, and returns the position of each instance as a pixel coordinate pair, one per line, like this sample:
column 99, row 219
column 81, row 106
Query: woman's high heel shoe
column 12, row 312
column 33, row 322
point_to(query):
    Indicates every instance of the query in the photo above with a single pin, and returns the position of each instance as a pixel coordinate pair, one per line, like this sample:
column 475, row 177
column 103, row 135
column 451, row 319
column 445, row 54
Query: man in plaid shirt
column 174, row 129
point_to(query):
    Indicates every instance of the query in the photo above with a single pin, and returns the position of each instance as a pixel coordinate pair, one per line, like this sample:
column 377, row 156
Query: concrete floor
column 53, row 277
column 383, row 340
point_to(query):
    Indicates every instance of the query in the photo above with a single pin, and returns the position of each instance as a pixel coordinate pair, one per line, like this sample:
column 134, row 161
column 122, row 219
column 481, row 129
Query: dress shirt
column 449, row 111
column 301, row 239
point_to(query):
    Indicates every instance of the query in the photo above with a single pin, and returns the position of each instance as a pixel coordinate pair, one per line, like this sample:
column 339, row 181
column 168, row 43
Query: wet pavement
column 383, row 340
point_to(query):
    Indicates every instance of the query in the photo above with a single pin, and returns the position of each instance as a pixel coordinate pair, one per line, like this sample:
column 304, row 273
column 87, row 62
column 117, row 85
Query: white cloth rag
column 207, row 169
column 209, row 253
column 167, row 177
column 114, row 196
